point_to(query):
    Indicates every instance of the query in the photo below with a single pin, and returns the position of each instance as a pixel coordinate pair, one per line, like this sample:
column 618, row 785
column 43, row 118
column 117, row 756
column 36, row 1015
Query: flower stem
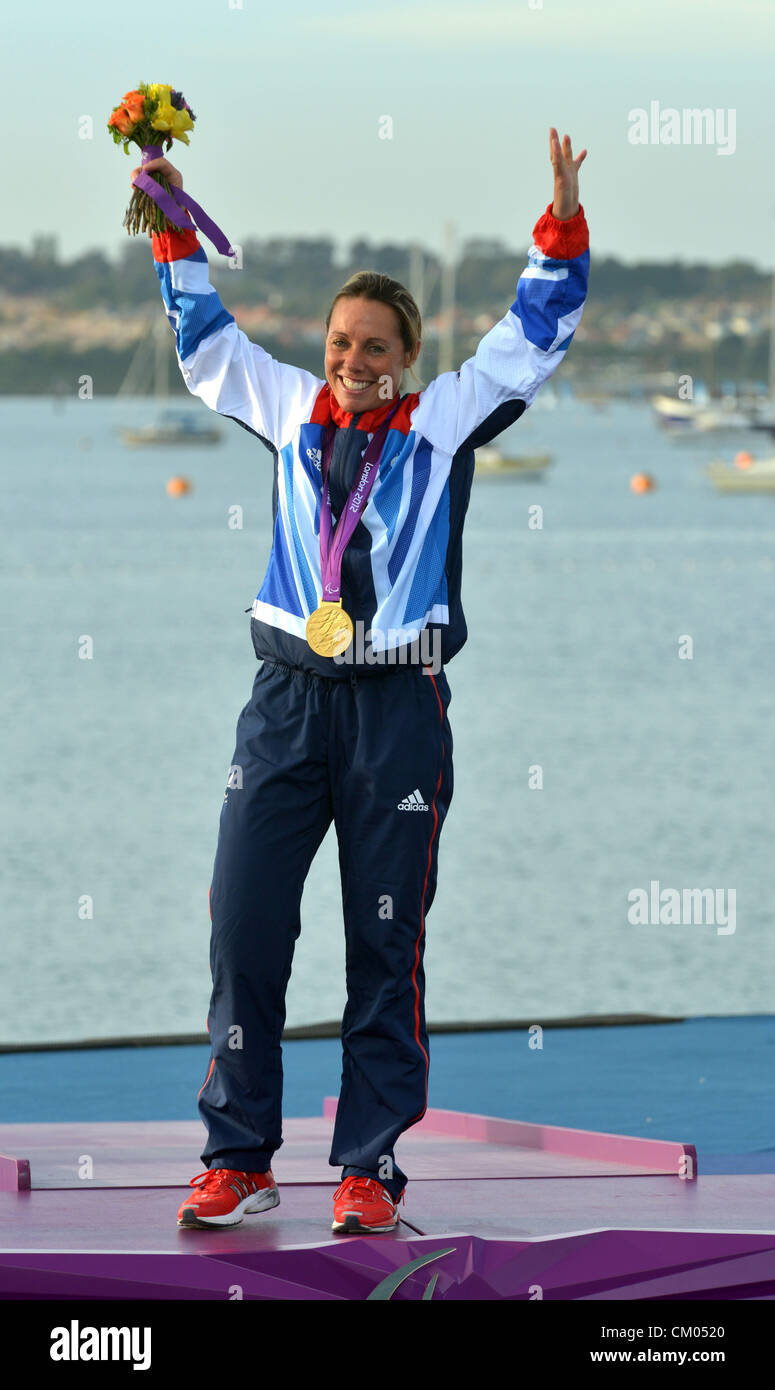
column 143, row 214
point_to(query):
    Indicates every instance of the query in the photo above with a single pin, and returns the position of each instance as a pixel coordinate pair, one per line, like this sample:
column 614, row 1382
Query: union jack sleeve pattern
column 523, row 349
column 411, row 526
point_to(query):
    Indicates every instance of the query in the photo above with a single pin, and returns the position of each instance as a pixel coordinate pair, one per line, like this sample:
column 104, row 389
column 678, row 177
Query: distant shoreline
column 609, row 372
column 333, row 1029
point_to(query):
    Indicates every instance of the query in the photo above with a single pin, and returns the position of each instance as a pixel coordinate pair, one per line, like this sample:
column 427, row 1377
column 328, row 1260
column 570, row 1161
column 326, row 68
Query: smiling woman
column 374, row 331
column 356, row 734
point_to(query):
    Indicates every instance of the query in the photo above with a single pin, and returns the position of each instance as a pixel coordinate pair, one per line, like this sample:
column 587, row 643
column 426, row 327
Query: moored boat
column 756, row 476
column 148, row 376
column 698, row 417
column 489, row 460
column 174, row 427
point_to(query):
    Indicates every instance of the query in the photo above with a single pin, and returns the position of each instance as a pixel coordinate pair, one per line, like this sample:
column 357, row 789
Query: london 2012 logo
column 387, row 1287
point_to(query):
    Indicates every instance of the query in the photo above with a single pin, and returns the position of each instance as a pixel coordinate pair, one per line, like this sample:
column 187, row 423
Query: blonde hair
column 371, row 284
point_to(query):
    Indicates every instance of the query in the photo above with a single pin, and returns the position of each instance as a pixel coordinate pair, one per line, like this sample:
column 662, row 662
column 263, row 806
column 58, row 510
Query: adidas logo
column 413, row 802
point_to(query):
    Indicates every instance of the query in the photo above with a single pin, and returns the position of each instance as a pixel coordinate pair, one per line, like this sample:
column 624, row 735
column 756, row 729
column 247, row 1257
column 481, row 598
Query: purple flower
column 177, row 100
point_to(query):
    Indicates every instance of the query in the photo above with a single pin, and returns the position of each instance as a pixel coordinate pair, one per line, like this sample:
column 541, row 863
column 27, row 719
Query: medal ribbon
column 174, row 210
column 331, row 551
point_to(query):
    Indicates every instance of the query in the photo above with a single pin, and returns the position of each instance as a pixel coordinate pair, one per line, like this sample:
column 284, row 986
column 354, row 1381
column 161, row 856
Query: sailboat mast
column 417, row 282
column 417, row 275
column 447, row 336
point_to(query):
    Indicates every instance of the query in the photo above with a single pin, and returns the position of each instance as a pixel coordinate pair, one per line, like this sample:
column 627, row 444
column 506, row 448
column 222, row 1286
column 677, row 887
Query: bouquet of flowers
column 150, row 116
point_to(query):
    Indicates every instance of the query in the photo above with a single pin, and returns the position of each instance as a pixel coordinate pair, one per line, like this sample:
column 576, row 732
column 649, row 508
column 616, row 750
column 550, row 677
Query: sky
column 291, row 98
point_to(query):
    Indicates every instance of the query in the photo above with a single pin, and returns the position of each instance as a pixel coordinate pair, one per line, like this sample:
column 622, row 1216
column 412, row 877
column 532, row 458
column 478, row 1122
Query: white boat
column 489, row 460
column 173, row 427
column 148, row 375
column 756, row 476
column 697, row 417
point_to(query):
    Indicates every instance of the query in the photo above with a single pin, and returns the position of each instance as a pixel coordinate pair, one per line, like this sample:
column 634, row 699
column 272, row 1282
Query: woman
column 358, row 615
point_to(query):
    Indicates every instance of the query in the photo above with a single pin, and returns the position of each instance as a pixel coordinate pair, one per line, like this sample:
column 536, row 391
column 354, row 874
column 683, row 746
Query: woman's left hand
column 566, row 176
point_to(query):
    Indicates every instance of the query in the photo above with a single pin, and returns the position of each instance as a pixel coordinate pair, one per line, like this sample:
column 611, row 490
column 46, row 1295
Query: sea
column 612, row 718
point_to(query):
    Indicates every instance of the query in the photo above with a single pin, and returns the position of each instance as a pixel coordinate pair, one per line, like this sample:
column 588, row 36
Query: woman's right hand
column 172, row 175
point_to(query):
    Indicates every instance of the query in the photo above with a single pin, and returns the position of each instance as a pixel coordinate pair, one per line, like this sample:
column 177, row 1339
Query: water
column 654, row 767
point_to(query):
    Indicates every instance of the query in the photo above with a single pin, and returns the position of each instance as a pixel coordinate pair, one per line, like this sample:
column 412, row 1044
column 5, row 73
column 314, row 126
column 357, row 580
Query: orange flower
column 122, row 120
column 133, row 101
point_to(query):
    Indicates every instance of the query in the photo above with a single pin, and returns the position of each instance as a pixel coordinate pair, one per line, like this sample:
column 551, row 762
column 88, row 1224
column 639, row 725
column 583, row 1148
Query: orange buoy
column 642, row 482
column 743, row 459
column 178, row 487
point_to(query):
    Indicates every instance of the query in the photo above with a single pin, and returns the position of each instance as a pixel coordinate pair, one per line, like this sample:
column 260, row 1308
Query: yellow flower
column 167, row 117
column 160, row 91
column 180, row 125
column 174, row 121
column 164, row 118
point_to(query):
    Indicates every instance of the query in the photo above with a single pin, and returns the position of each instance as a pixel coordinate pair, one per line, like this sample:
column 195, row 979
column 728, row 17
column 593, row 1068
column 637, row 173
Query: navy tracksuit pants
column 368, row 752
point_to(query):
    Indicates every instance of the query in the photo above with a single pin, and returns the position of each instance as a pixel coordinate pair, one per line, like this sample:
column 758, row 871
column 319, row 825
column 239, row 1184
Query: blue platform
column 706, row 1081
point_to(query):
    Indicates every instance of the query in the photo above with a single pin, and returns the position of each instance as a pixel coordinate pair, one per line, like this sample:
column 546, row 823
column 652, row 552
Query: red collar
column 369, row 419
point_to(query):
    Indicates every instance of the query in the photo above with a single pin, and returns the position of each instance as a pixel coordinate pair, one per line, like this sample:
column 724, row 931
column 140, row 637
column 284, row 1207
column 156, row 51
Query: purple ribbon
column 331, row 552
column 174, row 209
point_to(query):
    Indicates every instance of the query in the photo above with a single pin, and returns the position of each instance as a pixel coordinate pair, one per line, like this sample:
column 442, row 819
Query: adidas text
column 413, row 802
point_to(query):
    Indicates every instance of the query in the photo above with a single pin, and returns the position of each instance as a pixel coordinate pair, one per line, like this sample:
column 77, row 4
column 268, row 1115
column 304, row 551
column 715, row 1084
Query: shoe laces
column 361, row 1190
column 214, row 1178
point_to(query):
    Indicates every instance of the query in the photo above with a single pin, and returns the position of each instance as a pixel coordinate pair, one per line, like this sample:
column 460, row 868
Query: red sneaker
column 225, row 1195
column 363, row 1204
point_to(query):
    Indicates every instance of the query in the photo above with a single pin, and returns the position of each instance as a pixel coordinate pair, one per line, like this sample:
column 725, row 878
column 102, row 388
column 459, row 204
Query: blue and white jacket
column 401, row 571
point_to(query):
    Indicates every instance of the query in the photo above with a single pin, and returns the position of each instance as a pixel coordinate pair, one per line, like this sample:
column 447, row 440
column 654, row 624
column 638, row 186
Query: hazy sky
column 289, row 96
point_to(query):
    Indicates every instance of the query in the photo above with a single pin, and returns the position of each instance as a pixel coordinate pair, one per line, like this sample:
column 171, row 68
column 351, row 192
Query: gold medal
column 329, row 629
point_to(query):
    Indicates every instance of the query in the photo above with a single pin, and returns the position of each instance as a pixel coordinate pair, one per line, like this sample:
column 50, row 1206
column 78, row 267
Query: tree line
column 299, row 276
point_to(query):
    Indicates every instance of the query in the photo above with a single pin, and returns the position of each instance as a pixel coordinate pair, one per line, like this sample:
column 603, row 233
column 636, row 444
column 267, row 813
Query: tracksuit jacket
column 362, row 743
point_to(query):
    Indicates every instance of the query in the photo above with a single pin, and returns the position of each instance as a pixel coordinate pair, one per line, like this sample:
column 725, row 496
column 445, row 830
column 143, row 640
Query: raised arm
column 526, row 346
column 219, row 363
